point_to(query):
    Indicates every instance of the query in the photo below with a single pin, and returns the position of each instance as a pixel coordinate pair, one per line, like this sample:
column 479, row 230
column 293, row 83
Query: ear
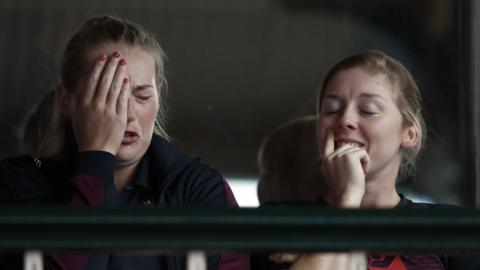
column 411, row 137
column 64, row 100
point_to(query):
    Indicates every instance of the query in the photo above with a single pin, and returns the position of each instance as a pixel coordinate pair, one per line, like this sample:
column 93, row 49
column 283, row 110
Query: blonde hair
column 37, row 137
column 57, row 136
column 405, row 90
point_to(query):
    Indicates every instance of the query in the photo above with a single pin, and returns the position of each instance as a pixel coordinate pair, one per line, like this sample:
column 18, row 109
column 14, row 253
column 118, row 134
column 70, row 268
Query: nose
column 348, row 119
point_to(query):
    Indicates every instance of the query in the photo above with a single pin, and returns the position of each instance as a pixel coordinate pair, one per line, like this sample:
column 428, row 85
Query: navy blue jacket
column 165, row 177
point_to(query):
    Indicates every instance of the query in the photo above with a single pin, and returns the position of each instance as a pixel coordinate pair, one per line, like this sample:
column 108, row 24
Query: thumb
column 365, row 160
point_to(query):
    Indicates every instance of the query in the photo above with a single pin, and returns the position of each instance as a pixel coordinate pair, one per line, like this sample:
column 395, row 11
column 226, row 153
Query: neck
column 380, row 198
column 124, row 174
column 380, row 190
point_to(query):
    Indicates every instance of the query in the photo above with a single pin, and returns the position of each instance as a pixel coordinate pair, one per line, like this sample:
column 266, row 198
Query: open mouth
column 129, row 137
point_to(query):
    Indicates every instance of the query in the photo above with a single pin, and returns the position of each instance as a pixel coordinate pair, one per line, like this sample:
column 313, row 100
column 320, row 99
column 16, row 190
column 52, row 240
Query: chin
column 127, row 155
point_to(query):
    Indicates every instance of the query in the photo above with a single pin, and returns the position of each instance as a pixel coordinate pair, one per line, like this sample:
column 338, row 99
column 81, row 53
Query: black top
column 384, row 261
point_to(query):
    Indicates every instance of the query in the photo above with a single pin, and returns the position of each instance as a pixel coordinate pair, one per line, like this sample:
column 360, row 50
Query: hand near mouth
column 344, row 170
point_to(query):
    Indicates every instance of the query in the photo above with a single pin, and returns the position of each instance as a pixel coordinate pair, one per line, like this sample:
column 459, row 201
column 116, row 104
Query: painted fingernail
column 122, row 62
column 102, row 57
column 116, row 54
column 125, row 80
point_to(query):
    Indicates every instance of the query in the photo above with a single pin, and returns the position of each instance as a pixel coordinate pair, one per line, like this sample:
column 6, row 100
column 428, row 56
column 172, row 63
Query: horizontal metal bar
column 265, row 229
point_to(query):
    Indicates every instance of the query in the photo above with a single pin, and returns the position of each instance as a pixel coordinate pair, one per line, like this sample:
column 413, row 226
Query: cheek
column 383, row 136
column 148, row 114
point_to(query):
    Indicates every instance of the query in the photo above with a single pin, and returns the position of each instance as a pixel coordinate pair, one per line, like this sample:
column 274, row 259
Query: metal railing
column 265, row 229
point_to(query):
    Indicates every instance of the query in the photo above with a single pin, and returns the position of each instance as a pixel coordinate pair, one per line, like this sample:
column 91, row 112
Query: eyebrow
column 368, row 95
column 331, row 96
column 363, row 95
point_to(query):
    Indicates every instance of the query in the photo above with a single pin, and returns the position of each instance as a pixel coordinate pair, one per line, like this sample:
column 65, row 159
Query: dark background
column 239, row 68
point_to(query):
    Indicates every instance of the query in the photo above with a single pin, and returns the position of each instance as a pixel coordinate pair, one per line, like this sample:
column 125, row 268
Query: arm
column 327, row 261
column 98, row 114
column 93, row 185
column 93, row 181
column 97, row 111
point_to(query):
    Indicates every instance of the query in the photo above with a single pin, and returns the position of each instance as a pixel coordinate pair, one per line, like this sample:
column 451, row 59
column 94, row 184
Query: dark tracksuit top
column 165, row 177
column 377, row 261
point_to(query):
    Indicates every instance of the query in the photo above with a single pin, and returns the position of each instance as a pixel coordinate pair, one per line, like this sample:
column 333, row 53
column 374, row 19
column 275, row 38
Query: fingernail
column 122, row 62
column 102, row 57
column 116, row 54
column 125, row 80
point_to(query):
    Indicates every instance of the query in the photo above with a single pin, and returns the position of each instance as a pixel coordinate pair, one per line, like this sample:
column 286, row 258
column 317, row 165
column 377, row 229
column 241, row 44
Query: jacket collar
column 161, row 164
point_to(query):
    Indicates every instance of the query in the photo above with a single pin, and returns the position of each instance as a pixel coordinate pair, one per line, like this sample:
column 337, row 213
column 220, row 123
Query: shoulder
column 28, row 178
column 204, row 185
column 408, row 203
column 173, row 163
column 21, row 166
column 167, row 157
column 188, row 180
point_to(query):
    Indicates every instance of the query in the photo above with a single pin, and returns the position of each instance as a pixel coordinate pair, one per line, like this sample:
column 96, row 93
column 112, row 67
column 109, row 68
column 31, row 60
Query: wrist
column 347, row 199
column 103, row 148
column 352, row 197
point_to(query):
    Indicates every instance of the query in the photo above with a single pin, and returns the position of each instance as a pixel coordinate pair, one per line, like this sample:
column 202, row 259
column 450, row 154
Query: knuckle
column 83, row 104
column 121, row 101
column 92, row 80
column 96, row 106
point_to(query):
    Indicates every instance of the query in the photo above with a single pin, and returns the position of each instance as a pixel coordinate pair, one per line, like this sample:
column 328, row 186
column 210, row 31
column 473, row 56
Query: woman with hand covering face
column 102, row 142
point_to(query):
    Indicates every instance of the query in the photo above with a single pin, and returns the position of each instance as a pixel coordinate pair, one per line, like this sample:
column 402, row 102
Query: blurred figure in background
column 288, row 162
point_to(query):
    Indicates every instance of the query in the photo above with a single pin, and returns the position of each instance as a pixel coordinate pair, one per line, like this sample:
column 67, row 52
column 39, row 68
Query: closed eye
column 143, row 98
column 331, row 106
column 328, row 112
column 143, row 92
column 368, row 113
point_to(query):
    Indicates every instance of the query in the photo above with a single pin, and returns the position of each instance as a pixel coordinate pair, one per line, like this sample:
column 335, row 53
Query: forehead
column 140, row 63
column 357, row 82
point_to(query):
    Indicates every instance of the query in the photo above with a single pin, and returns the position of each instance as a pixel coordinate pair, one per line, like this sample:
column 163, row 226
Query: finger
column 361, row 155
column 117, row 84
column 122, row 100
column 106, row 78
column 340, row 150
column 347, row 149
column 88, row 91
column 329, row 145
